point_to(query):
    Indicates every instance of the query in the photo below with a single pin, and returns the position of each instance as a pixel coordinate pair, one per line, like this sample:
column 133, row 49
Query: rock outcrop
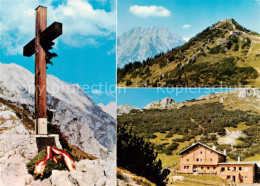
column 85, row 124
column 166, row 103
column 245, row 92
column 125, row 109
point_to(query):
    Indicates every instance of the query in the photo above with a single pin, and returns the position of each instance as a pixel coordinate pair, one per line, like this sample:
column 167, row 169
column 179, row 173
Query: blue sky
column 195, row 14
column 86, row 50
column 142, row 96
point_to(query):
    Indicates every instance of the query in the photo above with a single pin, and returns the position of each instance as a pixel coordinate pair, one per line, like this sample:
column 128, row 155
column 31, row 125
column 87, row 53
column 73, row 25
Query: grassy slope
column 249, row 59
column 253, row 60
column 196, row 177
column 168, row 160
column 231, row 102
column 250, row 103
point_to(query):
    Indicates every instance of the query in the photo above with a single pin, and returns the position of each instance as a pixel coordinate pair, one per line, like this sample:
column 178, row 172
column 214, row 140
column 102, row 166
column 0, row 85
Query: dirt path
column 253, row 43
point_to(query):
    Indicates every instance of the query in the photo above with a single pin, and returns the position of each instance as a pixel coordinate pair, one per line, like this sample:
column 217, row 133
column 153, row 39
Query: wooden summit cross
column 40, row 45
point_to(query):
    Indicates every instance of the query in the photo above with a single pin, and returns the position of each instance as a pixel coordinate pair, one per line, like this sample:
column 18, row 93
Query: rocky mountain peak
column 139, row 43
column 125, row 109
column 84, row 123
column 229, row 25
column 165, row 103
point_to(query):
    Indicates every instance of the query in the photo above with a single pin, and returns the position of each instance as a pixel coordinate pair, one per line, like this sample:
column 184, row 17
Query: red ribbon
column 40, row 165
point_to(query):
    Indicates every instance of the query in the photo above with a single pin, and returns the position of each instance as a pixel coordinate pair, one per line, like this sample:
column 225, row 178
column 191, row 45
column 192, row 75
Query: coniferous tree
column 139, row 156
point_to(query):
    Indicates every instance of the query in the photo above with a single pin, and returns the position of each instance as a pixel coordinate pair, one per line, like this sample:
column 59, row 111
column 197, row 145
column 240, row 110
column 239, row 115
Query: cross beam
column 38, row 46
column 46, row 36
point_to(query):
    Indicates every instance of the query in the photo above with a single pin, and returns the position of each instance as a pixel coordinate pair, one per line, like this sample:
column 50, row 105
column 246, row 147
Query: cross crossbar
column 46, row 37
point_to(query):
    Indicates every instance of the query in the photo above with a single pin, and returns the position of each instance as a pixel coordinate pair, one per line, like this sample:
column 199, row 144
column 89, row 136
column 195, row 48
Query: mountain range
column 227, row 98
column 138, row 44
column 225, row 53
column 85, row 125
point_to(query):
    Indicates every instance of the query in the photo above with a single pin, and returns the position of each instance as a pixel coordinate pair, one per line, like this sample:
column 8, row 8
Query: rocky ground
column 231, row 137
column 125, row 109
column 126, row 178
column 84, row 123
column 18, row 147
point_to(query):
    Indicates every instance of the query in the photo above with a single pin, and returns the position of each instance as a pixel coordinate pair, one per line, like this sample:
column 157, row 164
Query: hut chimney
column 238, row 158
column 225, row 152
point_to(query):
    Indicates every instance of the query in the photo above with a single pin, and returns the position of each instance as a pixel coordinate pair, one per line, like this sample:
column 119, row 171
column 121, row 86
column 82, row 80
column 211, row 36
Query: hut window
column 201, row 152
column 222, row 169
column 210, row 159
column 197, row 159
column 228, row 177
column 214, row 168
column 208, row 168
column 201, row 168
column 240, row 168
column 228, row 168
column 187, row 159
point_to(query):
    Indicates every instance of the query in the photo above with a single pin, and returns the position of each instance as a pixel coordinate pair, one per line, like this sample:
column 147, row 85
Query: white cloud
column 186, row 26
column 258, row 2
column 112, row 51
column 186, row 38
column 82, row 23
column 146, row 11
column 96, row 92
column 110, row 108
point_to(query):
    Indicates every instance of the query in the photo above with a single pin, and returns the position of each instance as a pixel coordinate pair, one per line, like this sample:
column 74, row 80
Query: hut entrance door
column 234, row 179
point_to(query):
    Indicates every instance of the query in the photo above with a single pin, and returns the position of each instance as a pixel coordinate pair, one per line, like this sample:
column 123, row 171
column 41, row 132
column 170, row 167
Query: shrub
column 50, row 165
column 233, row 39
column 246, row 44
column 215, row 50
column 128, row 82
column 236, row 47
column 173, row 146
